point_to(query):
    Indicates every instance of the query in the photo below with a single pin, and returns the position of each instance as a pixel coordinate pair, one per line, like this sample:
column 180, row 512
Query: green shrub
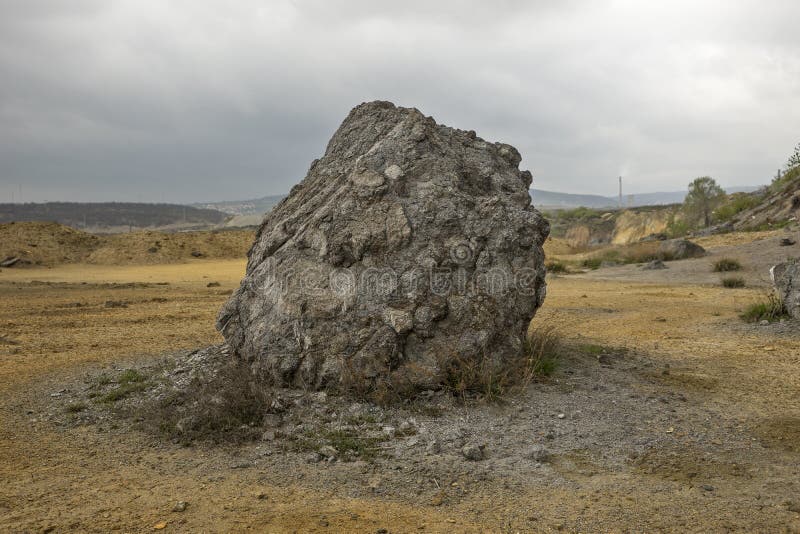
column 735, row 204
column 679, row 227
column 724, row 265
column 771, row 309
column 733, row 282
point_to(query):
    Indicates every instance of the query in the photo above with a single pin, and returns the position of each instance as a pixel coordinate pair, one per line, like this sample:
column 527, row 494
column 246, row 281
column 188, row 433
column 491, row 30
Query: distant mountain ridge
column 114, row 216
column 541, row 199
column 256, row 206
column 555, row 200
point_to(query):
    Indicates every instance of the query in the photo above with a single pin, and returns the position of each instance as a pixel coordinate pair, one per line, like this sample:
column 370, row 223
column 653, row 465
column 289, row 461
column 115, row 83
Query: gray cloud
column 199, row 100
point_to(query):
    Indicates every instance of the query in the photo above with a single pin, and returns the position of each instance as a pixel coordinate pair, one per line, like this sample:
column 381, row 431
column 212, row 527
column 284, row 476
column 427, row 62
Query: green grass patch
column 122, row 391
column 771, row 309
column 127, row 382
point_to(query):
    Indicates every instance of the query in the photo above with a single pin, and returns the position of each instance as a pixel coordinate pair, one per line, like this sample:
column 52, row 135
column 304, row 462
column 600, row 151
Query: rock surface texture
column 408, row 248
column 786, row 277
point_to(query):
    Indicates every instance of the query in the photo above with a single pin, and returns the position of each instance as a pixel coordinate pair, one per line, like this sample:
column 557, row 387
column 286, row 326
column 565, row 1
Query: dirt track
column 724, row 414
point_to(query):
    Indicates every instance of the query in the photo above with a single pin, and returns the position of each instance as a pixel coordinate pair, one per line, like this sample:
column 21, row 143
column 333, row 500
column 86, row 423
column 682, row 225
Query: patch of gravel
column 595, row 416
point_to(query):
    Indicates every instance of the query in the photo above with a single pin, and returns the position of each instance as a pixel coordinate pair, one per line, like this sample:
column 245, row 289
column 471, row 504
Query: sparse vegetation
column 592, row 263
column 733, row 282
column 556, row 267
column 75, row 407
column 724, row 265
column 348, row 444
column 794, row 160
column 483, row 378
column 735, row 204
column 788, row 176
column 637, row 253
column 575, row 214
column 491, row 380
column 128, row 382
column 678, row 227
column 771, row 309
column 227, row 405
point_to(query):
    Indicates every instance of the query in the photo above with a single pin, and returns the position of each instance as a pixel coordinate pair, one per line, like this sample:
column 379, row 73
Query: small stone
column 272, row 420
column 314, row 458
column 763, row 322
column 407, row 427
column 537, row 453
column 393, row 172
column 328, row 452
column 180, row 506
column 242, row 465
column 654, row 265
column 708, row 487
column 561, row 416
column 473, row 452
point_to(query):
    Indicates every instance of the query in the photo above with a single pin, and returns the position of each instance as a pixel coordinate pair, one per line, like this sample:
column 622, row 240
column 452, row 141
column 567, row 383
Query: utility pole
column 620, row 192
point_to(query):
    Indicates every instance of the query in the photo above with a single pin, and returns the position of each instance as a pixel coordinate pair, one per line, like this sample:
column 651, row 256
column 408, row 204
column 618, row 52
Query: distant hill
column 553, row 200
column 245, row 209
column 257, row 206
column 47, row 243
column 114, row 216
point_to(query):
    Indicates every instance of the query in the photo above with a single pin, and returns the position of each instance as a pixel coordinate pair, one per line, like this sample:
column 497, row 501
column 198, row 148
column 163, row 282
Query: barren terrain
column 668, row 414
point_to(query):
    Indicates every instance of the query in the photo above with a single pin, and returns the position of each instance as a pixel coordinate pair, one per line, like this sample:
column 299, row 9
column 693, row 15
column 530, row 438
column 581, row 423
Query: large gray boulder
column 409, row 247
column 786, row 278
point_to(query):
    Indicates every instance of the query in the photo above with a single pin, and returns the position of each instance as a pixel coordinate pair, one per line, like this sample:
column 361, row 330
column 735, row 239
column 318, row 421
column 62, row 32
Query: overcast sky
column 194, row 100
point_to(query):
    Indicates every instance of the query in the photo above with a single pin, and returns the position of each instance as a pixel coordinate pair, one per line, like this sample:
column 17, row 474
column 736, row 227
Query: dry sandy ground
column 720, row 425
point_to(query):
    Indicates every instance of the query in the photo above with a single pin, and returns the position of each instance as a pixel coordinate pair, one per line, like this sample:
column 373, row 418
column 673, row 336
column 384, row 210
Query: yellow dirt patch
column 43, row 243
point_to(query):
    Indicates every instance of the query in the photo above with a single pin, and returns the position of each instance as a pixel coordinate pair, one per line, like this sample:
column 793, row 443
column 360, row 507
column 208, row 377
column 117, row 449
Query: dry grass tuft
column 484, row 378
column 227, row 404
column 733, row 282
column 724, row 265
